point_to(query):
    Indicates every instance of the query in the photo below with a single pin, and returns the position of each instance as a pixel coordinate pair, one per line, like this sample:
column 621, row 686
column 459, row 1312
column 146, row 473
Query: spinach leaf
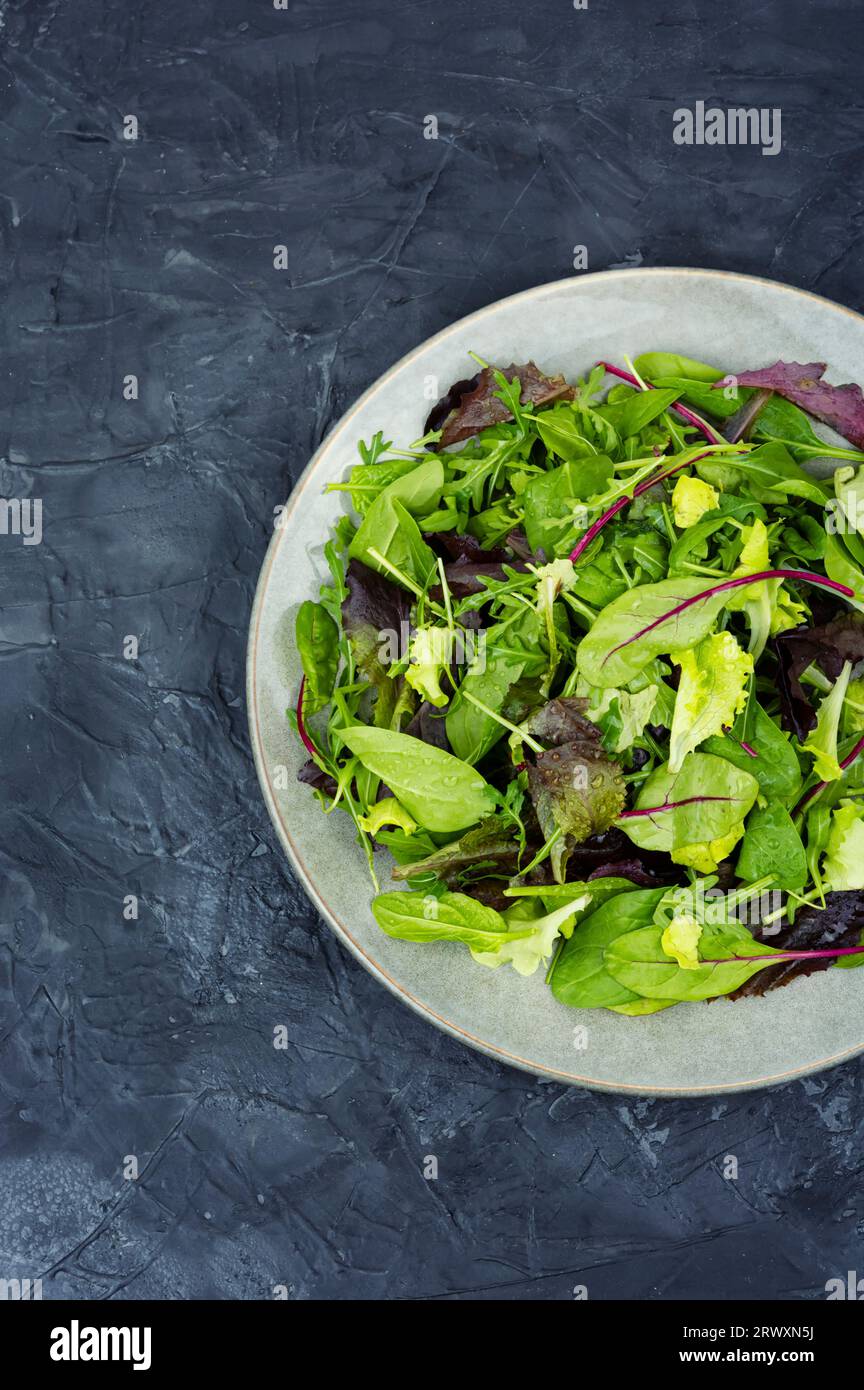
column 318, row 646
column 772, row 845
column 580, row 978
column 522, row 939
column 701, row 396
column 389, row 529
column 450, row 917
column 367, row 481
column 638, row 1008
column 439, row 791
column 659, row 364
column 776, row 767
column 630, row 415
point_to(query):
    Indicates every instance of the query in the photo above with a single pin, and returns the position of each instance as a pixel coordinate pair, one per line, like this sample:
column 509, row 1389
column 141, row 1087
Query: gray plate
column 736, row 321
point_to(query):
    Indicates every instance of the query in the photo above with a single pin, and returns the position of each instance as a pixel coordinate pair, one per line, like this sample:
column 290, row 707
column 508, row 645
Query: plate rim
column 340, row 928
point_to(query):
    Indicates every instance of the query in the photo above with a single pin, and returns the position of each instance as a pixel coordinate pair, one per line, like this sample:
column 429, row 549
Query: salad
column 588, row 665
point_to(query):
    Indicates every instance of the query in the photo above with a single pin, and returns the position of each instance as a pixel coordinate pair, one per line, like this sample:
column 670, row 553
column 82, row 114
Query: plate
column 735, row 321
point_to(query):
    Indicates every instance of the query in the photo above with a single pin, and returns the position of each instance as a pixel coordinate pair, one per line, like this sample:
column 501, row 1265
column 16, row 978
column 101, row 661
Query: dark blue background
column 153, row 1038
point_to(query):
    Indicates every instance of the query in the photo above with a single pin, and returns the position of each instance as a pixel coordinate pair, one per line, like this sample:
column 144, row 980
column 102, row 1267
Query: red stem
column 791, row 955
column 673, row 805
column 646, row 483
column 301, row 727
column 688, row 415
column 820, row 786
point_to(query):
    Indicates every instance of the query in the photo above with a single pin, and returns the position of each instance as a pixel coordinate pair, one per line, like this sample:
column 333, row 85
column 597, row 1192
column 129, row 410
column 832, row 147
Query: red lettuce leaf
column 429, row 726
column 841, row 407
column 576, row 789
column 487, row 845
column 374, row 606
column 472, row 406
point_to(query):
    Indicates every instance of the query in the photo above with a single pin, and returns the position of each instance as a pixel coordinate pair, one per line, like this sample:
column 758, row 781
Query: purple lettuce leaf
column 471, row 406
column 428, row 725
column 576, row 789
column 562, row 721
column 374, row 606
column 841, row 407
column 487, row 845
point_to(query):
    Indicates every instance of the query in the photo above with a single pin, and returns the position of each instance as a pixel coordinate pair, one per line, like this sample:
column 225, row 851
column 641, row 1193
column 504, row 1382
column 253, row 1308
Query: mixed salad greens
column 587, row 665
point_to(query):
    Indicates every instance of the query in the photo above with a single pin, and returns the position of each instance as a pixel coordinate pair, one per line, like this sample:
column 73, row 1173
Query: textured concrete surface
column 150, row 1041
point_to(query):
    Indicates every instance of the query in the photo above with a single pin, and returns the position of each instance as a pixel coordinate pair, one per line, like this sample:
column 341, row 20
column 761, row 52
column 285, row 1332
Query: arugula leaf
column 439, row 791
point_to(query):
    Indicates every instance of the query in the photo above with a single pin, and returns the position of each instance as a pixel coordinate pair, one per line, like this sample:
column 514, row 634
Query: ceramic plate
column 735, row 321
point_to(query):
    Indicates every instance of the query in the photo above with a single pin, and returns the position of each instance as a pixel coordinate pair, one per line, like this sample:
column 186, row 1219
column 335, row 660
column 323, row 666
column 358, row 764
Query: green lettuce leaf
column 430, row 654
column 843, row 864
column 712, row 691
column 691, row 499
